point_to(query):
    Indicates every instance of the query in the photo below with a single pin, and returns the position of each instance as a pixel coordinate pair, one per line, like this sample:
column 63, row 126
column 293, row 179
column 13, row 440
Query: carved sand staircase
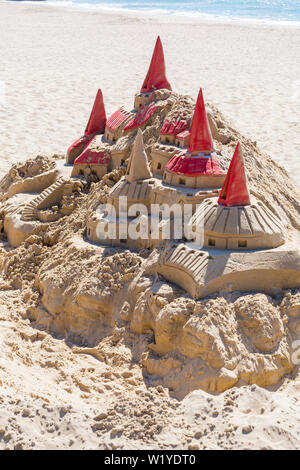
column 47, row 198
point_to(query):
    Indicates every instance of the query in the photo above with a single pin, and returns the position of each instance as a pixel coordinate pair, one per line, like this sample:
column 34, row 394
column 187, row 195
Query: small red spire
column 201, row 139
column 235, row 190
column 156, row 77
column 97, row 120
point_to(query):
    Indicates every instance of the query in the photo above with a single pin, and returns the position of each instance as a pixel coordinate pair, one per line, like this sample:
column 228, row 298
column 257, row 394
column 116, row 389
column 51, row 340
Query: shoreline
column 162, row 16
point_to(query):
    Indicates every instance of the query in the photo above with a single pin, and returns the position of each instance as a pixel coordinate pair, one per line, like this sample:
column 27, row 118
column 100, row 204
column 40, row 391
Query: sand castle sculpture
column 79, row 282
column 245, row 244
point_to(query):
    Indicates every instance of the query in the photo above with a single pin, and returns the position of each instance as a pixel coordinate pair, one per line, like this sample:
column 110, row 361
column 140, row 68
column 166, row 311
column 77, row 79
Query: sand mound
column 102, row 323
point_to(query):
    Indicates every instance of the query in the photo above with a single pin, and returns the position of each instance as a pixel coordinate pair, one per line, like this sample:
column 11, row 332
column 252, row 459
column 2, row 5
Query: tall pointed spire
column 200, row 139
column 235, row 189
column 97, row 120
column 138, row 168
column 156, row 77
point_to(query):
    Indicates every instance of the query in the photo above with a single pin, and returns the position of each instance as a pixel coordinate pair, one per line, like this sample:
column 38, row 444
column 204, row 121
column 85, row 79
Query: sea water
column 260, row 10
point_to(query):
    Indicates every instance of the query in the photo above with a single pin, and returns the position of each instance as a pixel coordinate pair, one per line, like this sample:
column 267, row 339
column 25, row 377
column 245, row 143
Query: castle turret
column 135, row 187
column 200, row 138
column 198, row 167
column 95, row 125
column 97, row 120
column 233, row 221
column 155, row 79
column 235, row 189
column 156, row 76
column 138, row 167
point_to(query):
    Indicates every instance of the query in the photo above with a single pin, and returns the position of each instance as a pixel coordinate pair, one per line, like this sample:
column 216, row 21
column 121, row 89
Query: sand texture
column 98, row 350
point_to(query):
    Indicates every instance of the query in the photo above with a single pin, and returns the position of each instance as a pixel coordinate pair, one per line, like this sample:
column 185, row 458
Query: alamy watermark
column 154, row 222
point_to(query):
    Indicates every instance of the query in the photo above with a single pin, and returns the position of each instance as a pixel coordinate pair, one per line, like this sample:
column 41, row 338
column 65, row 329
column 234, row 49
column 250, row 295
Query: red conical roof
column 97, row 120
column 235, row 190
column 156, row 77
column 201, row 139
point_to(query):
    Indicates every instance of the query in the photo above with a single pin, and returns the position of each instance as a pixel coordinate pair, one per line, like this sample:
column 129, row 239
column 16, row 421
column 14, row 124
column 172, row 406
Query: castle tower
column 95, row 125
column 135, row 187
column 97, row 120
column 156, row 77
column 197, row 168
column 233, row 221
column 235, row 189
column 138, row 167
column 137, row 184
column 200, row 138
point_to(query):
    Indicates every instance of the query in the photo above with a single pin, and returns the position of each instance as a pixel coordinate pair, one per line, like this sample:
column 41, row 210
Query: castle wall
column 205, row 181
column 160, row 155
column 118, row 157
column 140, row 99
column 241, row 242
column 80, row 170
column 35, row 184
column 167, row 139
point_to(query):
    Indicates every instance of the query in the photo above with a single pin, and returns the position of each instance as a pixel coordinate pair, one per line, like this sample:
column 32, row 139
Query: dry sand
column 53, row 61
column 52, row 394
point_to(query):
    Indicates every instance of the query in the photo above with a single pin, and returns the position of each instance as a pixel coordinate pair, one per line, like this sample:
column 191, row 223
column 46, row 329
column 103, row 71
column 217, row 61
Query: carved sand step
column 50, row 196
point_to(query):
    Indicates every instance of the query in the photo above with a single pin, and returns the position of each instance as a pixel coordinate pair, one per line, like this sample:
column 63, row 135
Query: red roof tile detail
column 173, row 127
column 141, row 117
column 117, row 118
column 81, row 141
column 193, row 166
column 92, row 157
column 183, row 135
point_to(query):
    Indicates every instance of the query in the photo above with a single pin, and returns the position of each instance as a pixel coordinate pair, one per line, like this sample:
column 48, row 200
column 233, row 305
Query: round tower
column 198, row 167
column 233, row 221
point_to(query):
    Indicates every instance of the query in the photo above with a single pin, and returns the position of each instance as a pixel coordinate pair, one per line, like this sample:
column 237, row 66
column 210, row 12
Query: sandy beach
column 53, row 60
column 99, row 348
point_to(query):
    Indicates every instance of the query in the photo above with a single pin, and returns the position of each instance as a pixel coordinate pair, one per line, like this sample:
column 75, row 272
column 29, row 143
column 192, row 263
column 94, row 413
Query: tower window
column 159, row 166
column 242, row 243
column 211, row 242
column 181, row 181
